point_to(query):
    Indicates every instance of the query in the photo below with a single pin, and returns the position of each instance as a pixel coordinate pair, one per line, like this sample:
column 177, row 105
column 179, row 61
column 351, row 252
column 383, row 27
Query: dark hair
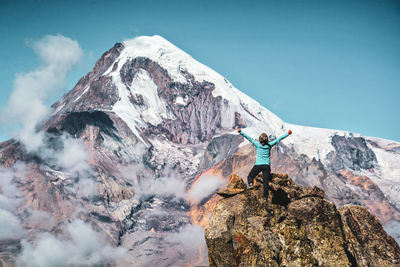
column 263, row 139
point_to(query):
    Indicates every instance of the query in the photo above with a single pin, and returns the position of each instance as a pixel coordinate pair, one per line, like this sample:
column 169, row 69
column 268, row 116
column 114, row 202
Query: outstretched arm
column 277, row 140
column 247, row 137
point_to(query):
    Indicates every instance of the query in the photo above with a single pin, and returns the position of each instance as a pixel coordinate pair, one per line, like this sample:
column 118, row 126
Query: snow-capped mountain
column 156, row 125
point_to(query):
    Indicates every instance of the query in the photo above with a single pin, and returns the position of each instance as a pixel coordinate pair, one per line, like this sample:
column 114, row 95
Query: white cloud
column 57, row 54
column 204, row 187
column 85, row 247
column 167, row 185
column 86, row 187
column 10, row 226
column 10, row 196
column 26, row 105
column 70, row 156
column 163, row 186
column 73, row 157
column 10, row 199
column 191, row 243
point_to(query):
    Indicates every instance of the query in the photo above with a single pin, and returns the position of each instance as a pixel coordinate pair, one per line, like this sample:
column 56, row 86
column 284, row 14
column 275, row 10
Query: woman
column 263, row 161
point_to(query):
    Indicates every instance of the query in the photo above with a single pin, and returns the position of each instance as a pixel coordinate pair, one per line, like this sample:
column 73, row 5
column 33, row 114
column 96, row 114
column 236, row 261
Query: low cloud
column 203, row 188
column 26, row 105
column 86, row 187
column 84, row 247
column 10, row 199
column 190, row 243
column 69, row 155
column 167, row 185
column 163, row 186
column 73, row 157
column 10, row 226
column 184, row 247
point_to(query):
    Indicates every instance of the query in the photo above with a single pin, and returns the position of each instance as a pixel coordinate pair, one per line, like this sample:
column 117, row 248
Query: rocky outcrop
column 98, row 89
column 296, row 226
column 367, row 240
column 351, row 152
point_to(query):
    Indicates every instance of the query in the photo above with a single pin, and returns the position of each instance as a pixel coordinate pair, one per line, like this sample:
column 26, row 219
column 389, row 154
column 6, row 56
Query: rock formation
column 295, row 226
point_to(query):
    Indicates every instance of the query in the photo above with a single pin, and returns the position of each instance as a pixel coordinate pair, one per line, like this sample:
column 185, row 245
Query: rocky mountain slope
column 295, row 226
column 137, row 149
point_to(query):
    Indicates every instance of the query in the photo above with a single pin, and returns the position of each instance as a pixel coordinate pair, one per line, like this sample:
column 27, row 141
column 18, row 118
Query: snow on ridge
column 174, row 60
column 257, row 118
column 382, row 142
column 311, row 141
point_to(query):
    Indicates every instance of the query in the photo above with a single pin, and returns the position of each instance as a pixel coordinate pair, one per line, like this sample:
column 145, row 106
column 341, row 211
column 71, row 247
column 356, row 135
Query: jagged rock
column 234, row 187
column 235, row 182
column 367, row 240
column 296, row 226
column 351, row 152
column 229, row 192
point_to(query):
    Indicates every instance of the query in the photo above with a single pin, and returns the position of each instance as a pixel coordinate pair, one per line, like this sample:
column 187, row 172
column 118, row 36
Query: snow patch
column 181, row 101
column 387, row 174
column 84, row 92
column 124, row 108
column 154, row 108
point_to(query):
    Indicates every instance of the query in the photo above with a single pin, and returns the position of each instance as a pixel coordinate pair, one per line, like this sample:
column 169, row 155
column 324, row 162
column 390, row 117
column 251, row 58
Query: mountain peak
column 173, row 59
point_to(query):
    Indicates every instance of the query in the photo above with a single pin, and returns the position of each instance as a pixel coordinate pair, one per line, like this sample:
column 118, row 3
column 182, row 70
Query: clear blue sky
column 330, row 64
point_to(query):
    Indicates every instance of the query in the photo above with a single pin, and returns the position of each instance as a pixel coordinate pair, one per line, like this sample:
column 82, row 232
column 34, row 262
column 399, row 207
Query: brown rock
column 296, row 226
column 236, row 182
column 234, row 187
column 366, row 238
column 229, row 192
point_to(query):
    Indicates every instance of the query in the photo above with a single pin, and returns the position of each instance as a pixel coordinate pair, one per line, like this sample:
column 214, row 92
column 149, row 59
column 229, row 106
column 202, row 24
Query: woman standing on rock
column 263, row 161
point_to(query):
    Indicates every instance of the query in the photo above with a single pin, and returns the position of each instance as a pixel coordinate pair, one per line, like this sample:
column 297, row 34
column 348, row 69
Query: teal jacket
column 263, row 152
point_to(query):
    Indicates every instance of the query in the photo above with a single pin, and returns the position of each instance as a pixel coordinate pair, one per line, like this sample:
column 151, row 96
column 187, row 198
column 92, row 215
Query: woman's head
column 263, row 139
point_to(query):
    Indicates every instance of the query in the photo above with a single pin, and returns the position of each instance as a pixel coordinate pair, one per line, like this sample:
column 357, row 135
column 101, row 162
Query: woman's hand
column 289, row 132
column 239, row 130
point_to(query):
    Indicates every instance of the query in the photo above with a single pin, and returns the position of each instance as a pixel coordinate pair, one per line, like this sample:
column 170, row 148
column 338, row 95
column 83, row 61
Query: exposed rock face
column 351, row 152
column 197, row 117
column 98, row 89
column 296, row 226
column 367, row 240
column 220, row 148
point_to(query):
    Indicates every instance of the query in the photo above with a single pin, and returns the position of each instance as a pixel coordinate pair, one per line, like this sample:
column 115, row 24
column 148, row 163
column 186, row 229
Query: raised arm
column 277, row 140
column 248, row 137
